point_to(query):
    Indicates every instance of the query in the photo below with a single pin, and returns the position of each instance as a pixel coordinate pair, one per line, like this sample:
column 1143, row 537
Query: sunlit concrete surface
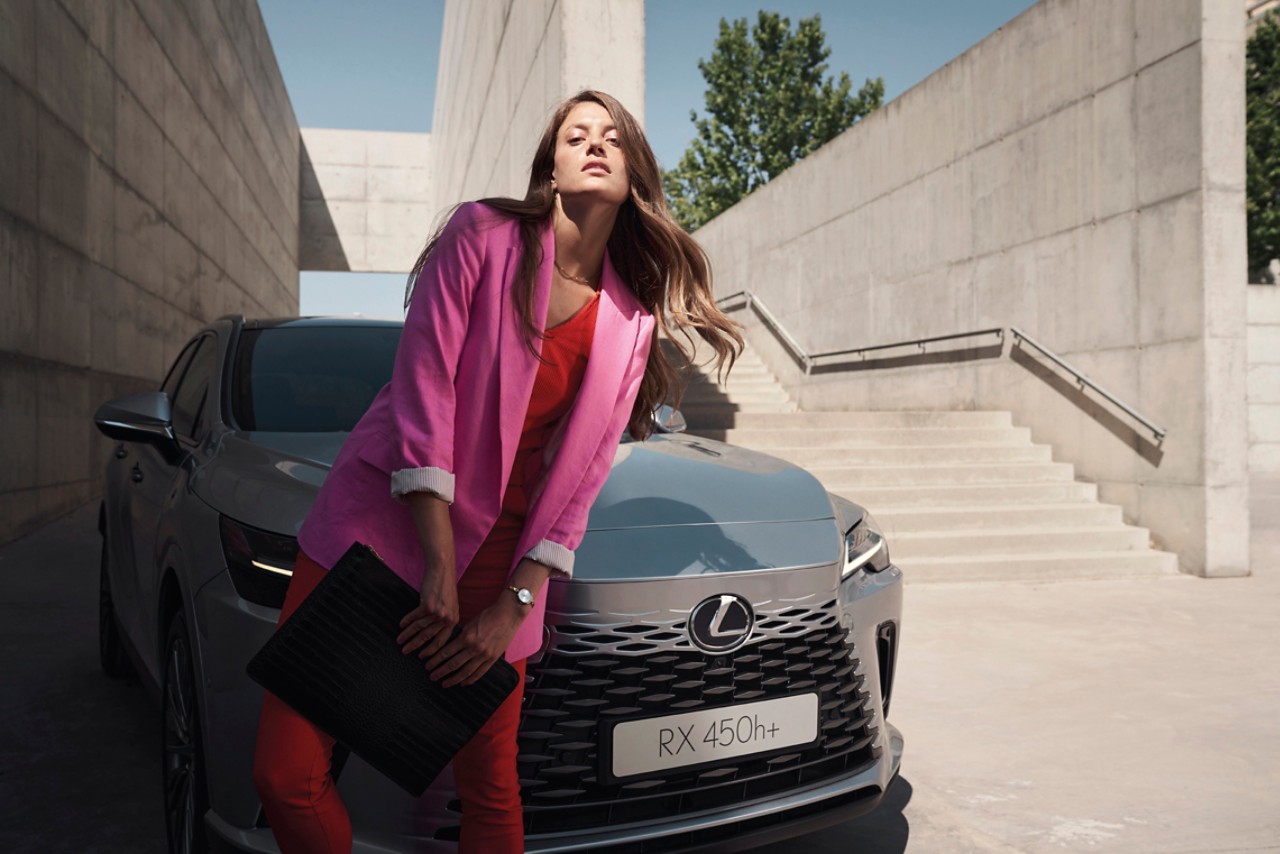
column 505, row 65
column 1264, row 380
column 367, row 200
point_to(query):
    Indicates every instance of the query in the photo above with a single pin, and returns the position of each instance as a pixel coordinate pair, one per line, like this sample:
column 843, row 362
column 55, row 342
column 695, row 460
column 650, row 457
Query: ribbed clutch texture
column 336, row 662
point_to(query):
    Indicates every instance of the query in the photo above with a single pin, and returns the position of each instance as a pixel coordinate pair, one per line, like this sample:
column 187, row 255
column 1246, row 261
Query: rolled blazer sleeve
column 556, row 550
column 422, row 399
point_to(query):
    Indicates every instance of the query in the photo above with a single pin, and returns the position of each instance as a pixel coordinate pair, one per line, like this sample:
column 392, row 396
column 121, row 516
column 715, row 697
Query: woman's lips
column 597, row 165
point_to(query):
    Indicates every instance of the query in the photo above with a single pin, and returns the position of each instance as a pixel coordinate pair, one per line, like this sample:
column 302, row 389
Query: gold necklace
column 582, row 280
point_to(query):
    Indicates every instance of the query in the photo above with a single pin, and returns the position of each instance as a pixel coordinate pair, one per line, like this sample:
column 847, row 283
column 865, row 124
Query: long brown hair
column 665, row 268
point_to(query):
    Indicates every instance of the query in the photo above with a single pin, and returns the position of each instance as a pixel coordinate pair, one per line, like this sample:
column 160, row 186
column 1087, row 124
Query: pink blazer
column 450, row 419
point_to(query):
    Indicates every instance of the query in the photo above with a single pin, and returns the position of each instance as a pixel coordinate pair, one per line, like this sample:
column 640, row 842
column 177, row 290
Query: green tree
column 767, row 106
column 1262, row 145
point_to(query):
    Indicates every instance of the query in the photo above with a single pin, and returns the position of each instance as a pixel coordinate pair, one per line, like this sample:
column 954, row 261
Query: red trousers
column 292, row 759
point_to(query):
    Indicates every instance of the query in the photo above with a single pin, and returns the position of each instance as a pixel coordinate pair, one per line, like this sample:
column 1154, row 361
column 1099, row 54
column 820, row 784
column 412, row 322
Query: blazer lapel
column 516, row 369
column 571, row 451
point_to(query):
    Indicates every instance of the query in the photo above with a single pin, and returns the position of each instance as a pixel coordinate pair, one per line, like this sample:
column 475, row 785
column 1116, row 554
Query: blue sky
column 372, row 66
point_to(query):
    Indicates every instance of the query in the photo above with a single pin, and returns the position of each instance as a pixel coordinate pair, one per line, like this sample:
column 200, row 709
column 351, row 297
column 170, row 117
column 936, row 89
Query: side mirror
column 146, row 417
column 669, row 420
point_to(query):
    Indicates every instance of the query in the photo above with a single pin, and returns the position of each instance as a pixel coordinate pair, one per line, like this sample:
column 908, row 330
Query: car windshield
column 309, row 379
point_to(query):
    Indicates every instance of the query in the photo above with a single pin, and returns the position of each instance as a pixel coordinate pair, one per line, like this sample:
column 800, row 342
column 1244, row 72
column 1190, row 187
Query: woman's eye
column 615, row 142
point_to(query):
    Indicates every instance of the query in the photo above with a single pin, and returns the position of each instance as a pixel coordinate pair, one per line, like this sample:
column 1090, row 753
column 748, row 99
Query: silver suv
column 716, row 675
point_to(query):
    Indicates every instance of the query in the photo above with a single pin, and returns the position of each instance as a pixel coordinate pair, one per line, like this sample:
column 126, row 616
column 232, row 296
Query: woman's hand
column 429, row 625
column 466, row 658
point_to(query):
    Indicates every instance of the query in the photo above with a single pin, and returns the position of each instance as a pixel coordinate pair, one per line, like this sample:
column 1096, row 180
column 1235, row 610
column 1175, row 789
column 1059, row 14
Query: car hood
column 719, row 507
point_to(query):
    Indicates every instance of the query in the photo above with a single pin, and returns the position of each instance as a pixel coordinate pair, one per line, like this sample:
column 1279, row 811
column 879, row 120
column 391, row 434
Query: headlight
column 865, row 547
column 260, row 562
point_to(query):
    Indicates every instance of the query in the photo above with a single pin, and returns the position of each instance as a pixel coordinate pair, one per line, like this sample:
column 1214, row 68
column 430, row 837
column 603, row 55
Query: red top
column 565, row 350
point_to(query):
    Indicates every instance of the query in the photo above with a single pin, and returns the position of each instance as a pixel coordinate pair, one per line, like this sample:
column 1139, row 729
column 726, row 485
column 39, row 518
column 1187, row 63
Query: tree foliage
column 768, row 104
column 1262, row 140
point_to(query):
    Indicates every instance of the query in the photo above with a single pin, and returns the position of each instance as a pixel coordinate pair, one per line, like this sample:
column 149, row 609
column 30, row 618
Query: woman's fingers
column 450, row 650
column 480, row 671
column 468, row 674
column 428, row 613
column 435, row 645
column 424, row 628
column 423, row 623
column 463, row 659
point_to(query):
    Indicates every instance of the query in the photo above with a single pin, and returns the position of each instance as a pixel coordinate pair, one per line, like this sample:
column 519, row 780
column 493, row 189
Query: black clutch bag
column 337, row 663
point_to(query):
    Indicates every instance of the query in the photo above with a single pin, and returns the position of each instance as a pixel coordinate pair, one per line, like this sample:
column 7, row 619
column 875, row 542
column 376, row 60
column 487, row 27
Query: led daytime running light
column 269, row 568
column 859, row 553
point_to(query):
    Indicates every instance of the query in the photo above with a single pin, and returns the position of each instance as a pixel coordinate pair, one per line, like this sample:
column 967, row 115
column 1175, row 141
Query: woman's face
column 589, row 160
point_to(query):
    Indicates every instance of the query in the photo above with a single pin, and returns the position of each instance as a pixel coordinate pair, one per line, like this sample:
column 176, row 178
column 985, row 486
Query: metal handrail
column 1083, row 381
column 807, row 360
column 920, row 342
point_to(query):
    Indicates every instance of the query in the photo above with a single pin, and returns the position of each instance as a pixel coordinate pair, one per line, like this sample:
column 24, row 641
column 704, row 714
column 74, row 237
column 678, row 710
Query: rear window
column 310, row 379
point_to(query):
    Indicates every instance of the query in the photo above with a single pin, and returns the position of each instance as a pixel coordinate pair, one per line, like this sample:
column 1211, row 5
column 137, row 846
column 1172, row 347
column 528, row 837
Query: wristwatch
column 523, row 596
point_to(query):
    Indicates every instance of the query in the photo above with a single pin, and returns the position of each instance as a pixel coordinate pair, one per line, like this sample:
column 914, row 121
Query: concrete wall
column 1264, row 380
column 370, row 200
column 367, row 198
column 505, row 65
column 148, row 183
column 1080, row 174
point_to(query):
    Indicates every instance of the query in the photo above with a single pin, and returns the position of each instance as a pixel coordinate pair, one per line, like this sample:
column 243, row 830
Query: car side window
column 179, row 365
column 188, row 398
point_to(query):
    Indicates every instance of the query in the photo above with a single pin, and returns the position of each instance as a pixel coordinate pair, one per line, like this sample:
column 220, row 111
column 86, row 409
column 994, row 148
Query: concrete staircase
column 962, row 496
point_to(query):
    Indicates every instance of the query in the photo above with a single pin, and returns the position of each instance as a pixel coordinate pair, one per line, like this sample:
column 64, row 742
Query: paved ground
column 1136, row 716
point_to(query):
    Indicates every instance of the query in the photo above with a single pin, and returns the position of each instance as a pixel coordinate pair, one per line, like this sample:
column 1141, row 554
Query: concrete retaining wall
column 505, row 65
column 1264, row 380
column 148, row 183
column 365, row 198
column 1079, row 174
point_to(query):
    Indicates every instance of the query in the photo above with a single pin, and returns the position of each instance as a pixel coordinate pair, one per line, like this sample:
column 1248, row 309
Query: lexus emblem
column 721, row 623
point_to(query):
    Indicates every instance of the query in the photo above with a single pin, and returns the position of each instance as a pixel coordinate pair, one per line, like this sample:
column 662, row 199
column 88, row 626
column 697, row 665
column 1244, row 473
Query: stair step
column 737, row 394
column 872, row 437
column 735, row 381
column 817, row 437
column 876, row 498
column 851, row 478
column 913, row 454
column 882, row 420
column 1081, row 539
column 1041, row 566
column 740, row 369
column 901, row 520
column 709, row 416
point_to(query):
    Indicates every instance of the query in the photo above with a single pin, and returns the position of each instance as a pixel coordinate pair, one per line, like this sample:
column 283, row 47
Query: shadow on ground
column 885, row 830
column 80, row 756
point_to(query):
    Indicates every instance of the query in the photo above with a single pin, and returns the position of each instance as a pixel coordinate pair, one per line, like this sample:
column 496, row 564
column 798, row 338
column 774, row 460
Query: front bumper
column 745, row 826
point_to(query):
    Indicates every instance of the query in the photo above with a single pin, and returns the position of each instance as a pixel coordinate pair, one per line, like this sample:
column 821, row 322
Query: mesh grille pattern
column 625, row 636
column 587, row 676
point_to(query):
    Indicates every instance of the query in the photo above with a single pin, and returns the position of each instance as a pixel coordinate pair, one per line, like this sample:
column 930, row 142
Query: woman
column 529, row 345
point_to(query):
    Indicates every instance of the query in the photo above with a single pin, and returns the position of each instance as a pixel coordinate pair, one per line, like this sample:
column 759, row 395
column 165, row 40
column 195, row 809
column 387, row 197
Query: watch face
column 525, row 597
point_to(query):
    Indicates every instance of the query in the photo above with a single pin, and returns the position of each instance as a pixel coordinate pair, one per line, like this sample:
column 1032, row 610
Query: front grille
column 585, row 677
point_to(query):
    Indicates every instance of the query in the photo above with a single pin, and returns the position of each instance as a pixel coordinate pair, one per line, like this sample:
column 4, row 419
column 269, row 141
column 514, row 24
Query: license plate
column 712, row 735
